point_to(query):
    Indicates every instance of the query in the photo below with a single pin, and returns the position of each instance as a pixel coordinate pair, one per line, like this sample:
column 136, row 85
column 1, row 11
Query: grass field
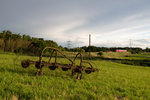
column 144, row 56
column 114, row 81
column 127, row 55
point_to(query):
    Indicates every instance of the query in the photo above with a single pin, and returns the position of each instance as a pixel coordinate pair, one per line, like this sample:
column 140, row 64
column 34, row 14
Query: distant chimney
column 89, row 46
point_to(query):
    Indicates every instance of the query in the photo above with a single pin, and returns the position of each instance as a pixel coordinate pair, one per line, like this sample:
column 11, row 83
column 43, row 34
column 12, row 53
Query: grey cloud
column 143, row 41
column 62, row 20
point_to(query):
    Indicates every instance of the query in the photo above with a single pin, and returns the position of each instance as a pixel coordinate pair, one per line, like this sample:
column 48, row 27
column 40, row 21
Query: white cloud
column 111, row 23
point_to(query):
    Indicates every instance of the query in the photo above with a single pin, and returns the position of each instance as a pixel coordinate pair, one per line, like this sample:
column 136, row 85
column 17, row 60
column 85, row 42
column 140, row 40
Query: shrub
column 100, row 53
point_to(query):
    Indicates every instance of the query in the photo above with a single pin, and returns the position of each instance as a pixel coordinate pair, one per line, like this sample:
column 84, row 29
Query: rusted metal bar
column 52, row 66
column 81, row 58
column 51, row 56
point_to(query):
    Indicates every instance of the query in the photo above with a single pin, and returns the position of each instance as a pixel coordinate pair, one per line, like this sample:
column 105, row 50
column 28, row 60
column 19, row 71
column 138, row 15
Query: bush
column 100, row 53
column 82, row 51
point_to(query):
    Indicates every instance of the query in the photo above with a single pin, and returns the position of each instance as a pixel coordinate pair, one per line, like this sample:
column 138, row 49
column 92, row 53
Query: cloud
column 111, row 23
column 142, row 43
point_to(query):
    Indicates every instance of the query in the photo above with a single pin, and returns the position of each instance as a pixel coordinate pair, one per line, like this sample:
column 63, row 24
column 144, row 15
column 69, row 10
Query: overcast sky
column 110, row 22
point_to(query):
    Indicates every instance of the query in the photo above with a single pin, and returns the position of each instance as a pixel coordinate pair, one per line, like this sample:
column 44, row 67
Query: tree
column 26, row 37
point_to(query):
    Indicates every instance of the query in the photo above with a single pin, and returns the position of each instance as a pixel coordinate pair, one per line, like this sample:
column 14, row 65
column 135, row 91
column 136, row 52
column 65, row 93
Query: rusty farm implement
column 76, row 69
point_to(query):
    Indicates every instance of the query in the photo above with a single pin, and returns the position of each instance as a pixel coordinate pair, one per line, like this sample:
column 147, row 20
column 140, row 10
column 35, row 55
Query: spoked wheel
column 25, row 63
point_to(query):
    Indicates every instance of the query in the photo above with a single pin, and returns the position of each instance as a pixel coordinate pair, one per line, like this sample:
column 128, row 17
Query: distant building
column 121, row 50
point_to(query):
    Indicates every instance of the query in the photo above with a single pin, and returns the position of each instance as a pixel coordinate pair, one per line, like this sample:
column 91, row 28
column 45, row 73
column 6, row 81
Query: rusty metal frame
column 75, row 68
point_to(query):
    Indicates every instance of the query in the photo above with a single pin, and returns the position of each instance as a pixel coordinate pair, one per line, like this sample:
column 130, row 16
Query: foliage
column 135, row 50
column 23, row 44
column 100, row 53
column 77, row 50
column 147, row 49
column 15, row 42
column 112, row 49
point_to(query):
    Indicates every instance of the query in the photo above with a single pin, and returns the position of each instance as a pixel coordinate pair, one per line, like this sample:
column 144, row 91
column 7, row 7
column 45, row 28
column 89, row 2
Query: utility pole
column 130, row 43
column 89, row 46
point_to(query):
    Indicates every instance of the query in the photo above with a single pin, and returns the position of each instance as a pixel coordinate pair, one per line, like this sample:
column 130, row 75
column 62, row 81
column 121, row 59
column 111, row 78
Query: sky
column 111, row 23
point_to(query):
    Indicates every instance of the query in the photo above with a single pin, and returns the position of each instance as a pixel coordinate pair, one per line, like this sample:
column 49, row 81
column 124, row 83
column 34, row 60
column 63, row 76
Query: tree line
column 25, row 44
column 133, row 50
column 17, row 43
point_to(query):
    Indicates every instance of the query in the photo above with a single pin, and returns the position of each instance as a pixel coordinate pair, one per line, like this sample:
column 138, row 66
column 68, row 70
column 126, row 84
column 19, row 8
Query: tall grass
column 113, row 81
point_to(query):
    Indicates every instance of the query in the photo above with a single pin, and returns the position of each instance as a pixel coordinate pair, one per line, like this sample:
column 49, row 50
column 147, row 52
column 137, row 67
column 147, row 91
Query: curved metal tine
column 93, row 64
column 55, row 56
column 58, row 51
column 81, row 58
column 88, row 63
column 40, row 59
column 65, row 56
column 51, row 56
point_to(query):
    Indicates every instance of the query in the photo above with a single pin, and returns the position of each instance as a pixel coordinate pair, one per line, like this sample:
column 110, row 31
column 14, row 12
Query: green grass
column 126, row 55
column 143, row 56
column 119, row 55
column 114, row 81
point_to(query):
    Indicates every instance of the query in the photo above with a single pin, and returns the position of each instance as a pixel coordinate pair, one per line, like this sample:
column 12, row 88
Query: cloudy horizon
column 111, row 23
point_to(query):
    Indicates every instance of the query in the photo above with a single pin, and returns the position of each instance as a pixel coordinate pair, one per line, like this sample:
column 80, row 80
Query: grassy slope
column 143, row 56
column 114, row 81
column 127, row 55
column 118, row 55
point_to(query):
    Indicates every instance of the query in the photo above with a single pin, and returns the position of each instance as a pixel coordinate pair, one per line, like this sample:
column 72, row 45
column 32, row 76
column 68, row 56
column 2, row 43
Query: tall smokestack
column 89, row 46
